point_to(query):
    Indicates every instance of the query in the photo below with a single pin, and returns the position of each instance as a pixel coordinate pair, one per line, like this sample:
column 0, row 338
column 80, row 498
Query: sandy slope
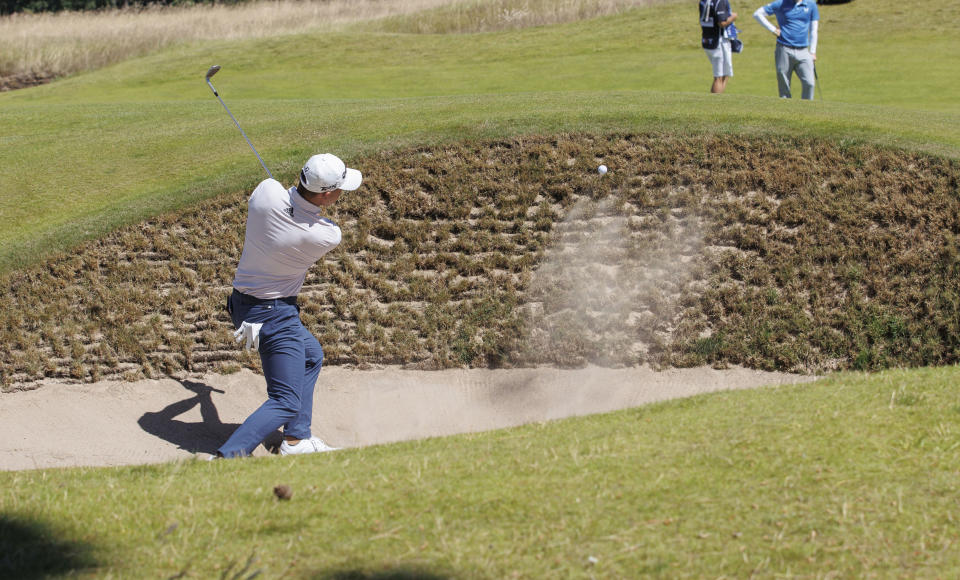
column 117, row 423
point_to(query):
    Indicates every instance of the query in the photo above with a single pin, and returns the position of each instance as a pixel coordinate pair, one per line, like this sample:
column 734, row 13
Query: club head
column 212, row 71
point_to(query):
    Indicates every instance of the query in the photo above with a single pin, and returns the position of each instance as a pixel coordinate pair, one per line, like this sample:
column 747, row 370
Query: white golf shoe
column 311, row 445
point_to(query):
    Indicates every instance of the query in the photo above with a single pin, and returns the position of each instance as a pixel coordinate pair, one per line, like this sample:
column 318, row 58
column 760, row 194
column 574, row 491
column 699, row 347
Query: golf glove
column 251, row 332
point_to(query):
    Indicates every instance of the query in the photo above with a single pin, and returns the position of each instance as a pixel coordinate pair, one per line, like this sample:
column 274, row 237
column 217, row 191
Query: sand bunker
column 152, row 421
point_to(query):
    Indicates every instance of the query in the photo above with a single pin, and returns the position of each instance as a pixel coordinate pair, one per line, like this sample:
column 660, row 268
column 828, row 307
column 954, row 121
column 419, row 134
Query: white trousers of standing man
column 790, row 60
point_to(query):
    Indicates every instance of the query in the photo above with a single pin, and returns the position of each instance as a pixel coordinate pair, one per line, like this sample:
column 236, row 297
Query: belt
column 791, row 46
column 252, row 300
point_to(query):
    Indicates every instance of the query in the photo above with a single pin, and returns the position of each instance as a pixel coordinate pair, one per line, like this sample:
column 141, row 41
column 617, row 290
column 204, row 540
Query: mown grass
column 146, row 136
column 837, row 263
column 852, row 476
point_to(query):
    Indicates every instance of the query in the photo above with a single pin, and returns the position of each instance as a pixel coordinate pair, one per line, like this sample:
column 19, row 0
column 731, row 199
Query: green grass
column 87, row 154
column 852, row 476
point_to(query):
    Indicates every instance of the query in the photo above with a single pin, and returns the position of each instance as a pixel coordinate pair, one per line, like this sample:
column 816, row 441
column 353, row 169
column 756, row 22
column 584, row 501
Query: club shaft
column 227, row 109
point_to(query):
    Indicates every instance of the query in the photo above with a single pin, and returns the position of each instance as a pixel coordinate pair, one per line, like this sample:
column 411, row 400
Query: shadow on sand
column 203, row 437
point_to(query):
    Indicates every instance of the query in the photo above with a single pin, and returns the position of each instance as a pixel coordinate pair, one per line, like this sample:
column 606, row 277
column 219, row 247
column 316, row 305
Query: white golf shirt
column 285, row 236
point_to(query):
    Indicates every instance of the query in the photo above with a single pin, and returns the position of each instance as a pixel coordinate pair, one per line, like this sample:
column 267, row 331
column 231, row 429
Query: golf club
column 212, row 71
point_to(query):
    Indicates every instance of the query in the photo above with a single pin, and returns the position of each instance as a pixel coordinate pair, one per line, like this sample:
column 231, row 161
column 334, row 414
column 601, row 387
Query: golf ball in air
column 602, row 169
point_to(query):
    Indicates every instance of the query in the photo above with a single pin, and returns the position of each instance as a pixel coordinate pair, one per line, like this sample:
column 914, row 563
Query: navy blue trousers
column 291, row 359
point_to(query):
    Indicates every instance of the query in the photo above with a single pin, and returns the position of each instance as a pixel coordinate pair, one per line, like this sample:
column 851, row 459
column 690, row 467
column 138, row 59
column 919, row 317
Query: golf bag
column 736, row 45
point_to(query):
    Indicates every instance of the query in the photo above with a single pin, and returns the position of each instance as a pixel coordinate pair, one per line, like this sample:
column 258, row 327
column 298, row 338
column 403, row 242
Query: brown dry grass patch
column 775, row 254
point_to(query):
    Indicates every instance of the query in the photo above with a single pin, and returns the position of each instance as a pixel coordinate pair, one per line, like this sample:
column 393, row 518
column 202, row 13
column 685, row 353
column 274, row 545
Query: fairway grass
column 198, row 155
column 851, row 476
column 145, row 137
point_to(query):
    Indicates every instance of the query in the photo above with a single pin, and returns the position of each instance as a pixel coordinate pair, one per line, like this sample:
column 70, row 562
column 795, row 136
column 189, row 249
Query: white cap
column 326, row 172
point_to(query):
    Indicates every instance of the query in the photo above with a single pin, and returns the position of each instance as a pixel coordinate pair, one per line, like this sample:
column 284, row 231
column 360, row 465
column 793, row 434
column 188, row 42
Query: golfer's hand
column 778, row 33
column 814, row 55
column 249, row 331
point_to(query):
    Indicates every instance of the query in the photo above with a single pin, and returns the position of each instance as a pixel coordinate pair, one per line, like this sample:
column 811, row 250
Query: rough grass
column 36, row 48
column 62, row 43
column 786, row 254
column 851, row 477
column 473, row 16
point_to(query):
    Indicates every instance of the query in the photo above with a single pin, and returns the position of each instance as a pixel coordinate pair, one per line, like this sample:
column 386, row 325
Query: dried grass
column 774, row 254
column 66, row 42
column 39, row 47
column 495, row 15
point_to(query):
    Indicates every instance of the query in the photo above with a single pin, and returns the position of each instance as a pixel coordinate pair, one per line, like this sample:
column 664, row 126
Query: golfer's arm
column 729, row 21
column 761, row 16
column 814, row 28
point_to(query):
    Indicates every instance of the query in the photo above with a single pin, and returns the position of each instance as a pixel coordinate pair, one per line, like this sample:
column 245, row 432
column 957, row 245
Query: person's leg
column 726, row 52
column 784, row 71
column 299, row 427
column 282, row 357
column 805, row 73
column 715, row 56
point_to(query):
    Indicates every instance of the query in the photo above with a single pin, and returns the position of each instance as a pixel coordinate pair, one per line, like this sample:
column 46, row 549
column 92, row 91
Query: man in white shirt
column 285, row 235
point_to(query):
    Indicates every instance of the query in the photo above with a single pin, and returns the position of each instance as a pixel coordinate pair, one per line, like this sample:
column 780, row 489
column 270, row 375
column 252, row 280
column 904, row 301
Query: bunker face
column 526, row 257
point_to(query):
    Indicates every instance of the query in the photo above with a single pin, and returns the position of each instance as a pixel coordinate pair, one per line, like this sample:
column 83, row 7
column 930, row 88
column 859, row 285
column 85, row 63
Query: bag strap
column 706, row 9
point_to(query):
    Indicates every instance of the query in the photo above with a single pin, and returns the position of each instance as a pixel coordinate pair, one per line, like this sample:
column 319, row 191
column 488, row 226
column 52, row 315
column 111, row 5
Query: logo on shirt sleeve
column 289, row 211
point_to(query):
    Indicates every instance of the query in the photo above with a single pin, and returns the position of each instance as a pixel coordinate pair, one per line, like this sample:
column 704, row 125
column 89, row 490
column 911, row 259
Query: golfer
column 715, row 17
column 798, row 22
column 285, row 236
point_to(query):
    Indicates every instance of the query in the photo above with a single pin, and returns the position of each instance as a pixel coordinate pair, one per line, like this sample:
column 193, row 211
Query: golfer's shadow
column 203, row 437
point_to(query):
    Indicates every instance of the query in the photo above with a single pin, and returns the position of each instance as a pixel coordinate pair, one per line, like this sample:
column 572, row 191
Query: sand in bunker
column 151, row 421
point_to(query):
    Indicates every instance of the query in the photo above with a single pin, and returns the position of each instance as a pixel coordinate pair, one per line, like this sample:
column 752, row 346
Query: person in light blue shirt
column 796, row 31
